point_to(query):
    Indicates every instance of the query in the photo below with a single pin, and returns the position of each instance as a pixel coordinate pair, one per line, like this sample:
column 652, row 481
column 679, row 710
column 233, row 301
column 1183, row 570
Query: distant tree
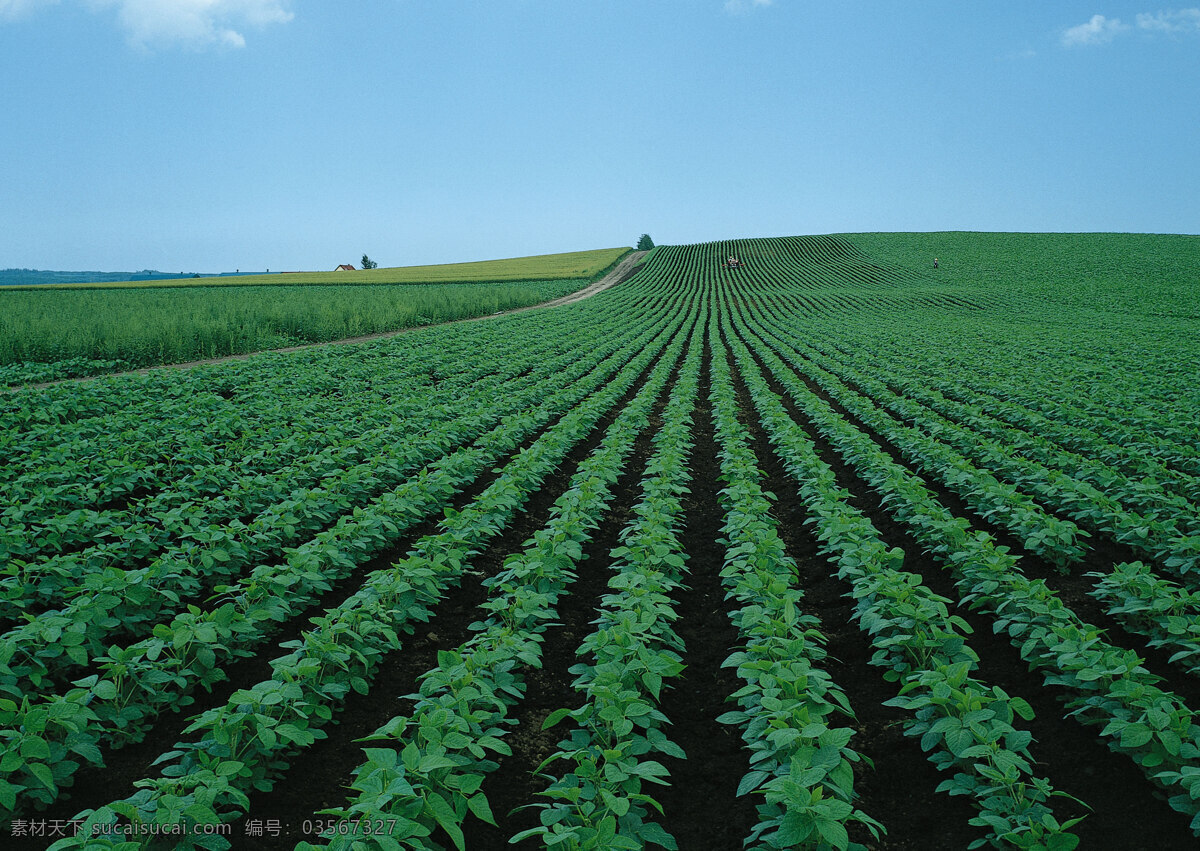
column 645, row 243
column 368, row 263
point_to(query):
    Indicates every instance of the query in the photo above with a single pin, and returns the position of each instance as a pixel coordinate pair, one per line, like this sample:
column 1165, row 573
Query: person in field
column 935, row 265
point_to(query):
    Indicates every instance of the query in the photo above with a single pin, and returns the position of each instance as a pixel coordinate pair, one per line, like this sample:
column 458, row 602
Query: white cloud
column 1183, row 20
column 739, row 7
column 1102, row 30
column 13, row 9
column 1099, row 30
column 195, row 23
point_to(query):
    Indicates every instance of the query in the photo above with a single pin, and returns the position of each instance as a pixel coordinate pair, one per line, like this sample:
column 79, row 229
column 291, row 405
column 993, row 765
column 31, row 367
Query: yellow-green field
column 541, row 267
column 63, row 331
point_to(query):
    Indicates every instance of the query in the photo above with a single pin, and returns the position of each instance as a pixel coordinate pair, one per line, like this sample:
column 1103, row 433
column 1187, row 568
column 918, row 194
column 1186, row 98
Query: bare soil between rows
column 1121, row 808
column 897, row 788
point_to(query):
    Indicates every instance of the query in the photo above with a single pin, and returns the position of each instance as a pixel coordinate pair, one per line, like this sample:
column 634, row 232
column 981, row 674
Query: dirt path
column 622, row 272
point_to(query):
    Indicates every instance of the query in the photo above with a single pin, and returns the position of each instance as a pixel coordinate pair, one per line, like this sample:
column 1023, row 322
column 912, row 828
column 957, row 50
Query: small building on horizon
column 345, row 267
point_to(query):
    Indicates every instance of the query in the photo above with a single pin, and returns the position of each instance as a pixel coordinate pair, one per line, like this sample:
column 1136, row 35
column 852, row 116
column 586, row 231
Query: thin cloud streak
column 11, row 10
column 1103, row 30
column 1184, row 20
column 741, row 7
column 1099, row 30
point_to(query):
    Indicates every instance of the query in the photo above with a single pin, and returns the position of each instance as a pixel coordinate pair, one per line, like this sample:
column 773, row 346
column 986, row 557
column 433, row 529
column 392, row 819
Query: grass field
column 833, row 550
column 50, row 332
column 540, row 267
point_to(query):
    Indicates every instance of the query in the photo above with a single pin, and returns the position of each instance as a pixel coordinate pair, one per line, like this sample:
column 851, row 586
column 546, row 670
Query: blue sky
column 210, row 135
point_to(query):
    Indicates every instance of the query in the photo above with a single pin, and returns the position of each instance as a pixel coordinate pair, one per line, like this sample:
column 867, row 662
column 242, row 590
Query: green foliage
column 144, row 327
column 645, row 243
column 156, row 530
column 604, row 800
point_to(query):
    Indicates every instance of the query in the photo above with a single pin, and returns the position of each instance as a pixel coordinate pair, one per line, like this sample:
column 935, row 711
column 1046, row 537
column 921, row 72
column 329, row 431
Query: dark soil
column 701, row 807
column 318, row 776
column 898, row 789
column 321, row 763
column 515, row 785
column 513, row 790
column 1072, row 586
column 1126, row 812
column 896, row 785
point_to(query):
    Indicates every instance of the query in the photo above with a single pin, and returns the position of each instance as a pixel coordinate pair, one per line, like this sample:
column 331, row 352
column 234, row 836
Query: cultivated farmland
column 53, row 331
column 826, row 549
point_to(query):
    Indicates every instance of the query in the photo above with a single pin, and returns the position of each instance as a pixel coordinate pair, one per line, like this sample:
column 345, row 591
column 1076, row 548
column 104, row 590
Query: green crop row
column 425, row 769
column 242, row 745
column 1157, row 535
column 150, row 675
column 602, row 800
column 801, row 761
column 1155, row 607
column 1054, row 539
column 333, row 431
column 1112, row 689
column 293, row 502
column 303, row 510
column 969, row 727
column 118, row 602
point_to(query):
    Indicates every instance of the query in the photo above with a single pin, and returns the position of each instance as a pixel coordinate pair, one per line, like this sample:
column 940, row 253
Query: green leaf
column 751, row 782
column 1135, row 736
column 554, row 717
column 43, row 773
column 834, row 832
column 796, row 828
column 35, row 747
column 444, row 815
column 1021, row 707
column 478, row 804
column 606, row 830
column 385, row 757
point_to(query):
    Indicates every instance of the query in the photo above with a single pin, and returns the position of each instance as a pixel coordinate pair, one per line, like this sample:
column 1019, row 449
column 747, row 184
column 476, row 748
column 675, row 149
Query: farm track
column 624, row 270
column 1076, row 762
column 568, row 520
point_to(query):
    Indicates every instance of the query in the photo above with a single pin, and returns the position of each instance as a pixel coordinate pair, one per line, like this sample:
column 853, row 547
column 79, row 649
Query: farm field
column 831, row 550
column 62, row 331
column 539, row 267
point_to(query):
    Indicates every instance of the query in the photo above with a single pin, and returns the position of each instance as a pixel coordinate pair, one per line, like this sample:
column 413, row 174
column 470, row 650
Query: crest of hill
column 541, row 267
